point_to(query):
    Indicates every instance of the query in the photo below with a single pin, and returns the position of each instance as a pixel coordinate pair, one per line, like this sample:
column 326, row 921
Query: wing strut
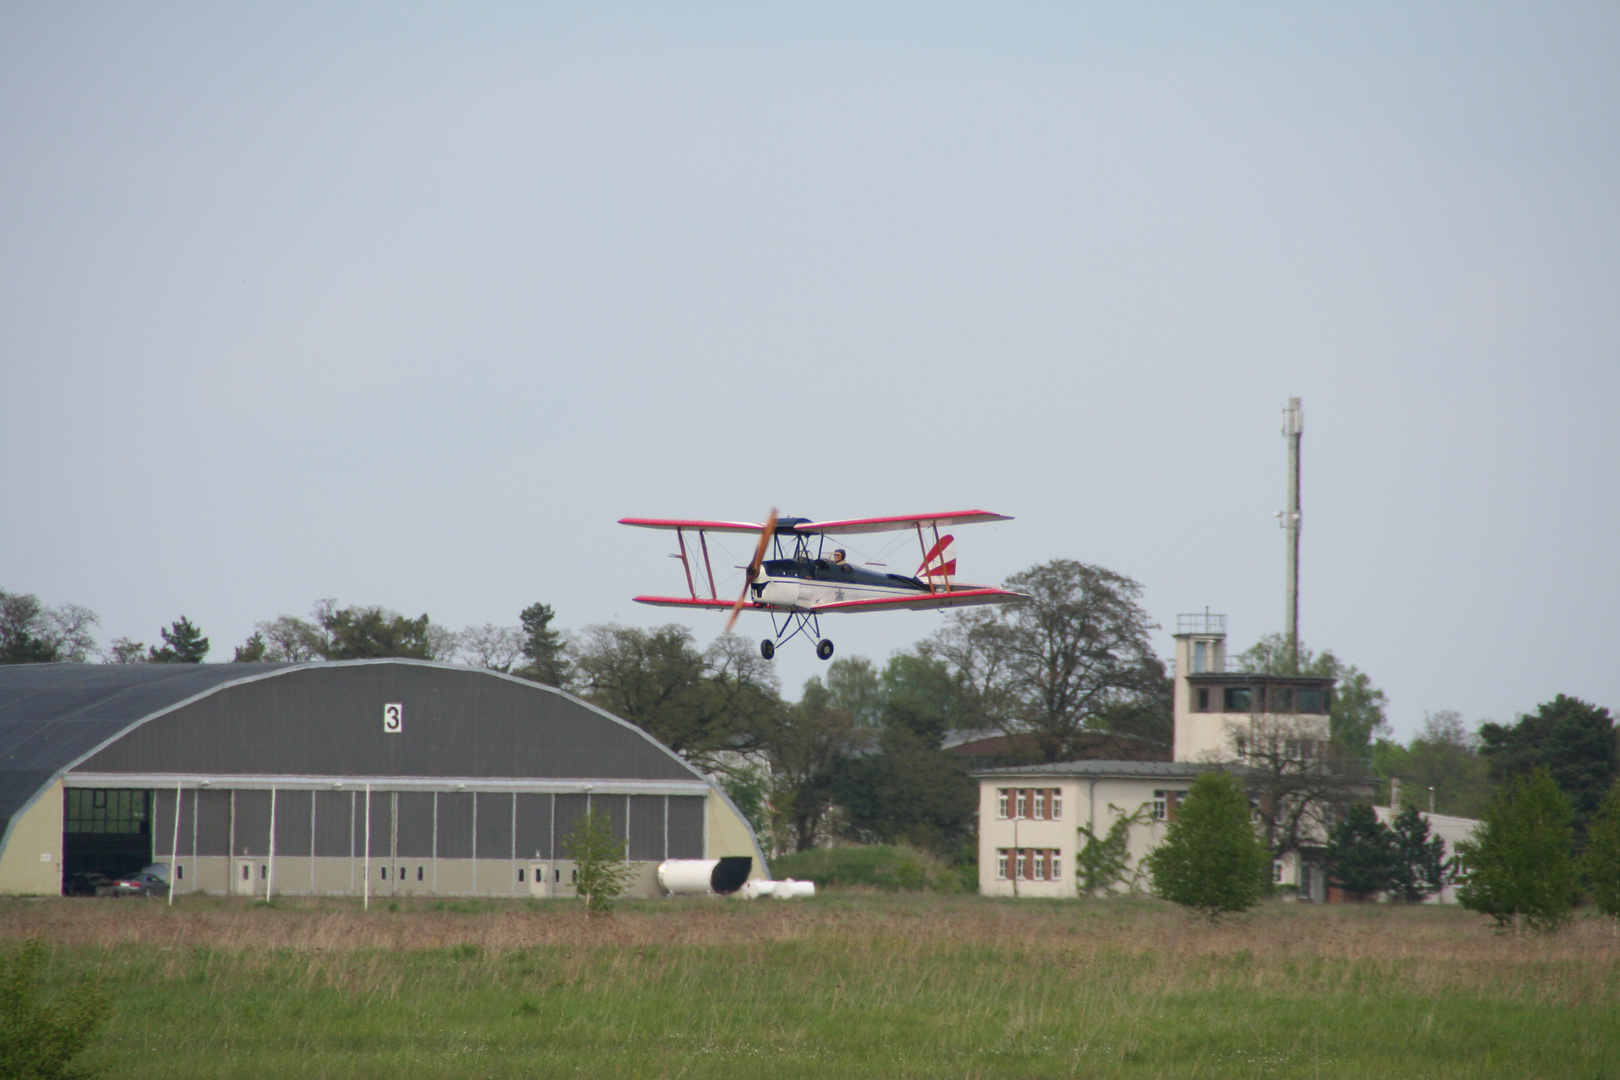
column 680, row 538
column 703, row 538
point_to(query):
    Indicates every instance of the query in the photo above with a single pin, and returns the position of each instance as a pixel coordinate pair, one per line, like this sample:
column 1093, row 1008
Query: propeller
column 765, row 535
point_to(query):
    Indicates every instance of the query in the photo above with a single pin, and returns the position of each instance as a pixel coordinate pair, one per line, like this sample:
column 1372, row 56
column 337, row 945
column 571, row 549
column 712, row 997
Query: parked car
column 87, row 883
column 141, row 884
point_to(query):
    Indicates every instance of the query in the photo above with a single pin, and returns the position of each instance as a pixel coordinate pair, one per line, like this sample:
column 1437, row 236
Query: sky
column 407, row 304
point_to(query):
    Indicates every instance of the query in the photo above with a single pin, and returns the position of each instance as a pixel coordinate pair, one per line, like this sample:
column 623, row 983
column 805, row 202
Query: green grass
column 892, row 869
column 856, row 986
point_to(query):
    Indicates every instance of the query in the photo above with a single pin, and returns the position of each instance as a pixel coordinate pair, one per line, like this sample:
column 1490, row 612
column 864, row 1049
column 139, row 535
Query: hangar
column 387, row 777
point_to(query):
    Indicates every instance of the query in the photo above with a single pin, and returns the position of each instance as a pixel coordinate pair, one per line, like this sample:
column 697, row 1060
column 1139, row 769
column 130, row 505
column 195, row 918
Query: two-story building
column 1031, row 816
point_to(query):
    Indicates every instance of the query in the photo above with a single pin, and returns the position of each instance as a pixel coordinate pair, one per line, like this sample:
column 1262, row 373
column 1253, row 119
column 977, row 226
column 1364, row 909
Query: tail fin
column 939, row 565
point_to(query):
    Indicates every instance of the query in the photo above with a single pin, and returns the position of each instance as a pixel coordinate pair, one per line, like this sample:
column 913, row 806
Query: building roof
column 1098, row 769
column 138, row 719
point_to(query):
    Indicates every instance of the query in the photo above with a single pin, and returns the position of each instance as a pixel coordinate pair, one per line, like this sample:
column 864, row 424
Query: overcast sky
column 407, row 304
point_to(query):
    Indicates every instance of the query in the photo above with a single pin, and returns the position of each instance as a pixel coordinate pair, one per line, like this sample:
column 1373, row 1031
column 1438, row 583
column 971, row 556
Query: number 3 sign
column 393, row 718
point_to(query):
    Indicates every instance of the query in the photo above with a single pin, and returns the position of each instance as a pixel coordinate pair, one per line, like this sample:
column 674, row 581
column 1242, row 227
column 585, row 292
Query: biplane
column 804, row 580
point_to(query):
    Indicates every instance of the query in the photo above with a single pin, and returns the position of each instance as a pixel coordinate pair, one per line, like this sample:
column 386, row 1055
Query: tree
column 855, row 685
column 494, row 647
column 33, row 633
column 1519, row 868
column 1357, row 711
column 1418, row 870
column 808, row 745
column 38, row 1039
column 908, row 792
column 1443, row 755
column 602, row 872
column 183, row 643
column 699, row 704
column 293, row 640
column 252, row 650
column 1572, row 740
column 1361, row 853
column 125, row 651
column 1102, row 862
column 1210, row 860
column 543, row 647
column 1059, row 665
column 1300, row 784
column 1601, row 861
column 367, row 633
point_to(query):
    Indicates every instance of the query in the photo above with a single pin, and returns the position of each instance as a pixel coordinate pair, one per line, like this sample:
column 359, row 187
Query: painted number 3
column 393, row 718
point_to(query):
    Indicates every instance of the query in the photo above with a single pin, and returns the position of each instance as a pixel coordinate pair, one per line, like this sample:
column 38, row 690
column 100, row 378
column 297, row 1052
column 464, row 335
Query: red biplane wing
column 962, row 597
column 702, row 526
column 687, row 602
column 897, row 524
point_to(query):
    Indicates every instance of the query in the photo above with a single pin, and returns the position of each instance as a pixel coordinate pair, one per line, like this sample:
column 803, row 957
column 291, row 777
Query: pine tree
column 543, row 646
column 1211, row 860
column 1602, row 859
column 1361, row 853
column 1419, row 868
column 183, row 643
column 1520, row 870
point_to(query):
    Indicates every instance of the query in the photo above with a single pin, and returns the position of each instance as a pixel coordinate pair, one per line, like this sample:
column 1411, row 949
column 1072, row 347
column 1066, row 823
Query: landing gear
column 766, row 649
column 824, row 649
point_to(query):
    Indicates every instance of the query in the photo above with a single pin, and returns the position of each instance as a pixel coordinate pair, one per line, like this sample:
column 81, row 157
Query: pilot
column 839, row 561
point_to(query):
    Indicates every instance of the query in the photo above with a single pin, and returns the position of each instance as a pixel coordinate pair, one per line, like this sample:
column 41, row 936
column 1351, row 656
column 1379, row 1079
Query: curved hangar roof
column 312, row 720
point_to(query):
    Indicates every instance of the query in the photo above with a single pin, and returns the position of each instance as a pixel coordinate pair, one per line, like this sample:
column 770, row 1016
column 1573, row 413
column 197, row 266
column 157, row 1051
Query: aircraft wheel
column 824, row 649
column 766, row 649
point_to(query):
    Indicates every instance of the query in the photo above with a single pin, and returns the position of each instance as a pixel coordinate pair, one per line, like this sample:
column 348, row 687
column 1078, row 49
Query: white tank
column 704, row 877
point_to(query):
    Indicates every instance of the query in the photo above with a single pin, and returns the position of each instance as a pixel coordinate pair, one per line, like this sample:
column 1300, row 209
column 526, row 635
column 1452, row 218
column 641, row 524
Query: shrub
column 38, row 1040
column 1211, row 860
column 1520, row 871
column 1602, row 859
column 599, row 859
column 1419, row 869
column 892, row 869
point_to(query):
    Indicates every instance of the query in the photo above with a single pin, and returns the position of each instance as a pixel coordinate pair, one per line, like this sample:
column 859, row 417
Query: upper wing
column 683, row 523
column 894, row 524
column 968, row 597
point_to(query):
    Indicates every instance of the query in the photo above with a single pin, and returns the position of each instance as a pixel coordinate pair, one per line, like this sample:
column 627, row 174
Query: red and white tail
column 939, row 565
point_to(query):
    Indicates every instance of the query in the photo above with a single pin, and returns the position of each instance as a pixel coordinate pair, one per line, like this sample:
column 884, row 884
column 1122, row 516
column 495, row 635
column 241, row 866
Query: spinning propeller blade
column 753, row 567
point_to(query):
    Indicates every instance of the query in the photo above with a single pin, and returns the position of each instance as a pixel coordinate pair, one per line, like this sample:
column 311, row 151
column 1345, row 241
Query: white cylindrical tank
column 704, row 877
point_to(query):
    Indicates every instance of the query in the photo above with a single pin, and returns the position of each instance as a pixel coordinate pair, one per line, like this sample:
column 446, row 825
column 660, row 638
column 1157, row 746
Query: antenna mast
column 1293, row 428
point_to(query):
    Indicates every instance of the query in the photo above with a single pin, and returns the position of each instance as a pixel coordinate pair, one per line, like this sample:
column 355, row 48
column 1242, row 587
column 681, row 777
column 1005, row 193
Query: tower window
column 1203, row 699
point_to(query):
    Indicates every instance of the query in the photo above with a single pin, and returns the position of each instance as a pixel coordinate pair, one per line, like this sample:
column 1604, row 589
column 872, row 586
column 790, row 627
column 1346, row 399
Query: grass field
column 848, row 984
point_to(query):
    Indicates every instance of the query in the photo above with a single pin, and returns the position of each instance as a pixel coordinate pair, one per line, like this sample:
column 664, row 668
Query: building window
column 1161, row 806
column 520, row 875
column 1022, row 805
column 419, row 870
column 1057, row 864
column 1057, row 804
column 382, row 872
column 1200, row 657
column 1309, row 699
column 1019, row 871
column 179, row 872
column 1280, row 699
column 1203, row 700
column 1237, row 699
column 1039, row 867
column 1001, row 803
column 1001, row 864
column 97, row 810
column 1040, row 804
column 1276, row 871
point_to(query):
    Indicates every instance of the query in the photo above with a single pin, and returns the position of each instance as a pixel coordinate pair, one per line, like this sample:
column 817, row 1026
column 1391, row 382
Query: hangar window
column 245, row 872
column 520, row 875
column 419, row 873
column 97, row 810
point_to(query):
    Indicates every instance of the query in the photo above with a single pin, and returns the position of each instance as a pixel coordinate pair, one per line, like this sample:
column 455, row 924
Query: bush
column 892, row 869
column 37, row 1040
column 599, row 858
column 1361, row 853
column 1520, row 871
column 1211, row 860
column 1602, row 859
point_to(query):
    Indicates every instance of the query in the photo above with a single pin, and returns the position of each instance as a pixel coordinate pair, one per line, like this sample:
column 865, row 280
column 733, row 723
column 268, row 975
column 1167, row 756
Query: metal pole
column 174, row 848
column 270, row 878
column 366, row 904
column 1293, row 428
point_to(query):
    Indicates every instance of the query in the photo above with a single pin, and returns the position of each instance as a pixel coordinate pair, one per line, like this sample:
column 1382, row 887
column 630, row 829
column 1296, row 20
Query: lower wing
column 968, row 597
column 707, row 604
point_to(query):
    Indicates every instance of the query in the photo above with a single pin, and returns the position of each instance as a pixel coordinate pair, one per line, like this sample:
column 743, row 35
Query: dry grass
column 925, row 984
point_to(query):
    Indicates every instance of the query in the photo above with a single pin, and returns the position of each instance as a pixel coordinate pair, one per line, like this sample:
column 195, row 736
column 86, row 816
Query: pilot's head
column 838, row 555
